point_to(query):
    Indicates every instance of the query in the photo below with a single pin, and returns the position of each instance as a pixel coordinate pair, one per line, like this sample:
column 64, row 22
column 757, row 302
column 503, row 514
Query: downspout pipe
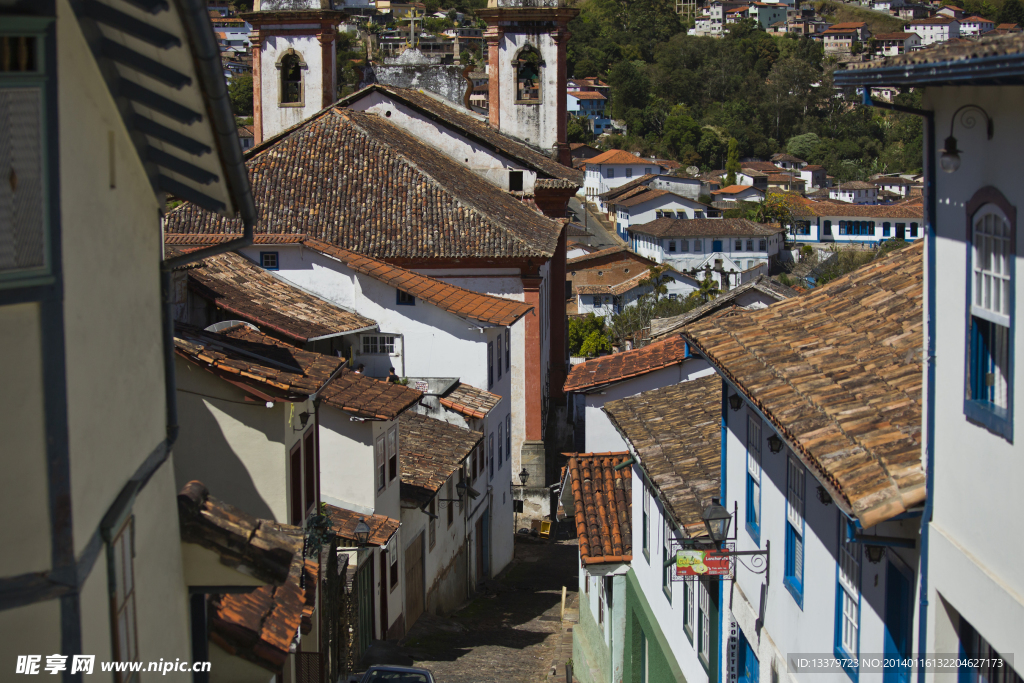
column 931, row 208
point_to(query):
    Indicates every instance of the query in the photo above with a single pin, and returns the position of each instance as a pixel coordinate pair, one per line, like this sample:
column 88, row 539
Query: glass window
column 704, row 623
column 501, row 443
column 739, row 245
column 974, row 647
column 374, row 344
column 794, row 569
column 379, row 450
column 913, row 229
column 405, row 299
column 754, row 477
column 392, row 446
column 629, row 172
column 268, row 259
column 690, row 608
column 450, row 494
column 490, row 456
column 991, row 321
column 750, row 245
column 762, row 245
column 610, row 173
column 666, row 551
column 508, row 350
column 698, row 246
column 848, row 594
column 671, row 246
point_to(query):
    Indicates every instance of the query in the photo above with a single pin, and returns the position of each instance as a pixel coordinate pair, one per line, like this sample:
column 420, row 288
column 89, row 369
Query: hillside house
column 738, row 193
column 724, row 246
column 854, row 192
column 614, row 168
column 936, row 29
column 838, row 222
column 975, row 25
column 897, row 43
column 648, row 204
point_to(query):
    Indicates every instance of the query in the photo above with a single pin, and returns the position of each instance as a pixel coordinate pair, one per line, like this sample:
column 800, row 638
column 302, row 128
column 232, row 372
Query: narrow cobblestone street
column 514, row 633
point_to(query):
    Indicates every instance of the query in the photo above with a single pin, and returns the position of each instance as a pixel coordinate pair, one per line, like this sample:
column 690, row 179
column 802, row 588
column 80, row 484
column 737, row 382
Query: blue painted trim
column 753, row 528
column 793, row 583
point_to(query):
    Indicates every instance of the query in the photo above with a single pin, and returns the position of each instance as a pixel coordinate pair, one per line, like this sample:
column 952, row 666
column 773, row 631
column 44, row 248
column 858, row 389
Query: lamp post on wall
column 524, row 476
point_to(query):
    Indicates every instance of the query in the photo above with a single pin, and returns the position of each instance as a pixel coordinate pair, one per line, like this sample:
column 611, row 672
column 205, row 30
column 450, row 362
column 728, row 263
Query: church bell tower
column 293, row 61
column 526, row 42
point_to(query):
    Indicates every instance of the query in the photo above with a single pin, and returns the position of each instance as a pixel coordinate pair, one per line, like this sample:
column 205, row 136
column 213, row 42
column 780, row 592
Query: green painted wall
column 591, row 656
column 662, row 665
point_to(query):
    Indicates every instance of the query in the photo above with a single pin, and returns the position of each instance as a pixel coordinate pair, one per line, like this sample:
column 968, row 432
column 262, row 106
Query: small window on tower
column 528, row 75
column 291, row 66
column 515, row 181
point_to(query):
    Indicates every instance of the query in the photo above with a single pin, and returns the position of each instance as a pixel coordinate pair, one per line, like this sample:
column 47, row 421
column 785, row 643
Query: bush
column 806, row 250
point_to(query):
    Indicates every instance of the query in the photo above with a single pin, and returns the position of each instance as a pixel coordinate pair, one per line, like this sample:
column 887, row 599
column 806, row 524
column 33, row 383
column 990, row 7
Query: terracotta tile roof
column 618, row 156
column 849, row 24
column 431, row 451
column 677, row 433
column 452, row 298
column 605, row 370
column 648, row 194
column 235, row 284
column 853, row 185
column 596, row 255
column 762, row 166
column 255, row 546
column 469, row 401
column 602, row 506
column 367, row 397
column 245, row 355
column 356, row 181
column 475, row 128
column 782, row 156
column 587, row 95
column 936, row 19
column 344, row 522
column 660, row 327
column 703, row 227
column 736, row 189
column 859, row 210
column 616, row 289
column 838, row 372
column 626, row 187
column 899, row 35
column 577, row 230
column 262, row 625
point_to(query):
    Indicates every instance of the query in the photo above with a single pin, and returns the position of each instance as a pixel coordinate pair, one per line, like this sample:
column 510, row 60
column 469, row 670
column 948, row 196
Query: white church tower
column 293, row 61
column 526, row 42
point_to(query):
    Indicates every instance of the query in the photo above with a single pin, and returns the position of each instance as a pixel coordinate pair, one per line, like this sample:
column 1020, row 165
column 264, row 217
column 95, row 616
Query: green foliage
column 732, row 164
column 1012, row 12
column 806, row 250
column 581, row 329
column 785, row 280
column 594, row 344
column 240, row 94
column 437, row 26
column 708, row 290
column 686, row 97
column 319, row 531
column 578, row 129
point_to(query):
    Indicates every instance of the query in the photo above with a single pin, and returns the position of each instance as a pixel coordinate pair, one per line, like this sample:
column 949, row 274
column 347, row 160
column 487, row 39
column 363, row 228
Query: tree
column 777, row 207
column 1012, row 12
column 657, row 279
column 803, row 146
column 708, row 289
column 578, row 129
column 732, row 165
column 582, row 329
column 240, row 93
column 594, row 344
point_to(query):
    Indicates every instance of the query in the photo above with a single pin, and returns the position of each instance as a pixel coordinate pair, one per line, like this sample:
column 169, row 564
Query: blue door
column 899, row 616
column 716, row 245
column 749, row 668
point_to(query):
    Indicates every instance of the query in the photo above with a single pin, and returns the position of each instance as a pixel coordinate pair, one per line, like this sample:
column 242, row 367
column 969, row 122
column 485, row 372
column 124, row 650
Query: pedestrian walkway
column 515, row 632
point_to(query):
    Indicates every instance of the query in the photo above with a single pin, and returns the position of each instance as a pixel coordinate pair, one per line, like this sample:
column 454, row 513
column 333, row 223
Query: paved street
column 511, row 635
column 602, row 236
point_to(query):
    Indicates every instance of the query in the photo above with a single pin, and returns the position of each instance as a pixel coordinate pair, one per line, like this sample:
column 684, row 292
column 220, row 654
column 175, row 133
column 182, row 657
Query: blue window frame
column 404, row 298
column 793, row 577
column 886, row 229
column 269, row 261
column 749, row 667
column 990, row 333
column 753, row 505
column 975, row 647
column 846, row 643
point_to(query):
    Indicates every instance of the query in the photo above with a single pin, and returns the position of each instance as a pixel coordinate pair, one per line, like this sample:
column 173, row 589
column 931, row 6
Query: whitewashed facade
column 666, row 205
column 691, row 252
column 854, row 193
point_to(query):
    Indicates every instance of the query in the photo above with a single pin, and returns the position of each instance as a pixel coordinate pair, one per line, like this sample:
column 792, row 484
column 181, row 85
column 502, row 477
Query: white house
column 835, row 222
column 738, row 193
column 644, row 207
column 975, row 25
column 887, row 6
column 895, row 184
column 725, row 246
column 970, row 584
column 897, row 43
column 606, row 300
column 842, row 553
column 768, row 13
column 594, row 382
column 813, row 175
column 951, row 11
column 936, row 29
column 854, row 192
column 613, row 168
column 591, row 105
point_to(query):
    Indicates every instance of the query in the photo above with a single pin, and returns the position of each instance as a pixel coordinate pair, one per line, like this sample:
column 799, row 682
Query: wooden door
column 383, row 594
column 414, row 587
column 364, row 592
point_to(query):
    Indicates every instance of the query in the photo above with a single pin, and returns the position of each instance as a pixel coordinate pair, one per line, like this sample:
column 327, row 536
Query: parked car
column 395, row 674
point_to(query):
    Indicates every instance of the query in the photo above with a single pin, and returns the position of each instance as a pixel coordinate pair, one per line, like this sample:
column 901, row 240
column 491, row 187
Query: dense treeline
column 685, row 97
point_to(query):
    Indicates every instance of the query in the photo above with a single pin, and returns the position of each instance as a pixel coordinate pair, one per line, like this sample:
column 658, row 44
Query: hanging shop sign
column 691, row 562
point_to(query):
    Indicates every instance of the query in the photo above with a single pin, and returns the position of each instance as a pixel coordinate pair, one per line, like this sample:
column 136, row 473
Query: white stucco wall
column 792, row 629
column 604, row 305
column 533, row 123
column 658, row 249
column 647, row 212
column 278, row 117
column 601, row 434
column 482, row 161
column 596, row 180
column 974, row 565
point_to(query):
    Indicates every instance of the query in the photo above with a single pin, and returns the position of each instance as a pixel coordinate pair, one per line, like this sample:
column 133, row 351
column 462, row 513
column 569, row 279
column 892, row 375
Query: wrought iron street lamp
column 950, row 159
column 774, row 443
column 735, row 401
column 717, row 519
column 362, row 532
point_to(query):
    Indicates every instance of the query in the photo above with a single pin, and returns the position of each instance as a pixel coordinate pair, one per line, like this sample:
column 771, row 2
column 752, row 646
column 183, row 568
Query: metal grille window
column 991, row 297
column 379, row 344
column 22, row 195
column 848, row 593
column 122, row 601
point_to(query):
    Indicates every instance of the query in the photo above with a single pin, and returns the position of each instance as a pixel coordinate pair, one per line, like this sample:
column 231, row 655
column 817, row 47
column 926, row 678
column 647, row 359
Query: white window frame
column 380, row 345
column 380, row 457
column 848, row 573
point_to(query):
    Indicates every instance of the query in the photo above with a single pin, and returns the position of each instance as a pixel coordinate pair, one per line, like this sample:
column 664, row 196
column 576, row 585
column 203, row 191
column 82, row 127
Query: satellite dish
column 692, row 170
